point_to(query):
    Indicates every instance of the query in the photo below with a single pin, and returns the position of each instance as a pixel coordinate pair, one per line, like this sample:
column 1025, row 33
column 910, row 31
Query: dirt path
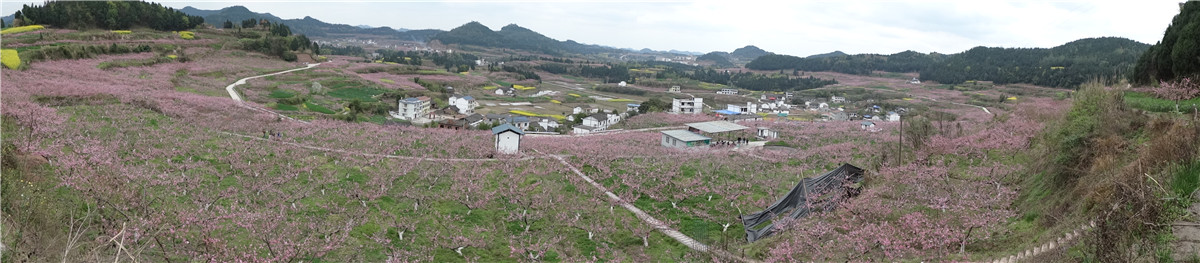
column 233, row 93
column 1187, row 235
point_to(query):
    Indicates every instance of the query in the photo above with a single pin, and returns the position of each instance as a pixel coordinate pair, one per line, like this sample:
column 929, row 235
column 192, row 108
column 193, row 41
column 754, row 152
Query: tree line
column 1067, row 65
column 1178, row 54
column 106, row 15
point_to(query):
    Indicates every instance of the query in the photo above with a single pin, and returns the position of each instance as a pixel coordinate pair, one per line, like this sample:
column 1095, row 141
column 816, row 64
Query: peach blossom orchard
column 182, row 175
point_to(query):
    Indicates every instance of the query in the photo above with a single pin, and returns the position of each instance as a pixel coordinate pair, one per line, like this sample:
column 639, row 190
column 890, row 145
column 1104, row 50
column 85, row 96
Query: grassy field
column 1149, row 103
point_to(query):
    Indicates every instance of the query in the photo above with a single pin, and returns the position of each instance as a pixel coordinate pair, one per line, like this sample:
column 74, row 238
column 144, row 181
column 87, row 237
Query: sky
column 798, row 28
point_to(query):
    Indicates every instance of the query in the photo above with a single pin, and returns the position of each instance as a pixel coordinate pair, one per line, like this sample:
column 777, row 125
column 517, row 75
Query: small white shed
column 508, row 138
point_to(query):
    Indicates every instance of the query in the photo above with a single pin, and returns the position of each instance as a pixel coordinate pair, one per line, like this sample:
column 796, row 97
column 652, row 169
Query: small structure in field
column 508, row 138
column 674, row 89
column 914, row 81
column 767, row 133
column 683, row 139
column 622, row 84
column 868, row 125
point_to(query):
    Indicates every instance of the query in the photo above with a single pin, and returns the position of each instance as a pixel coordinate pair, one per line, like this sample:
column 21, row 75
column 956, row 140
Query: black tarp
column 819, row 193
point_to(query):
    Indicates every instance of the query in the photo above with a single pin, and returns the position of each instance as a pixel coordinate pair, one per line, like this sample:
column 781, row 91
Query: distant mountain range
column 307, row 25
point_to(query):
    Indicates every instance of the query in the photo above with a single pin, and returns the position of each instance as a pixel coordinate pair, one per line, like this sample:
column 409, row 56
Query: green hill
column 1178, row 54
column 1067, row 65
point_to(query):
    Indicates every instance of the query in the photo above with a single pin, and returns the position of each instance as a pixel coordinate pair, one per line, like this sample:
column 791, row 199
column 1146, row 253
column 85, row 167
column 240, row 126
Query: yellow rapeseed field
column 10, row 58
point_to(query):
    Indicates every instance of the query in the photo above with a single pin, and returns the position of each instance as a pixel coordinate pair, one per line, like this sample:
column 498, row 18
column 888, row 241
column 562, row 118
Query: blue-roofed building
column 727, row 112
column 632, row 107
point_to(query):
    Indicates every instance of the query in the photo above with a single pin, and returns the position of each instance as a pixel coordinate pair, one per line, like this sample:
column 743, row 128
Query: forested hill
column 105, row 15
column 748, row 53
column 1178, row 54
column 308, row 26
column 1067, row 65
column 515, row 37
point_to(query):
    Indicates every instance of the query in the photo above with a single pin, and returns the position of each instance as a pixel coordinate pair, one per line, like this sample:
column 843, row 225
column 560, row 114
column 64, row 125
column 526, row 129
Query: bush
column 122, row 32
column 187, row 35
column 10, row 58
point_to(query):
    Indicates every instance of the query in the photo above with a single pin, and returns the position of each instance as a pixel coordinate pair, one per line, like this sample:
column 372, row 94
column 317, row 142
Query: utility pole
column 901, row 152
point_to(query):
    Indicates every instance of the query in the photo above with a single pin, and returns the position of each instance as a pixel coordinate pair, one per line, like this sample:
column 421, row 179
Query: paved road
column 233, row 93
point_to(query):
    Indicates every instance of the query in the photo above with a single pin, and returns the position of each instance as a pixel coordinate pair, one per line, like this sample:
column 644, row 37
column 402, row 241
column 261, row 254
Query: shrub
column 10, row 58
column 20, row 29
column 122, row 32
column 187, row 35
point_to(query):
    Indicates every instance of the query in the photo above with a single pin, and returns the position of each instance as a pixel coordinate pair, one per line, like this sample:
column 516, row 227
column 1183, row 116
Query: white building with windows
column 413, row 109
column 687, row 106
column 465, row 104
column 728, row 91
column 836, row 99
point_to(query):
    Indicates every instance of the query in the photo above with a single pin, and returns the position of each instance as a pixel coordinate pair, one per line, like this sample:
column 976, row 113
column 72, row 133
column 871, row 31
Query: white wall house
column 584, row 109
column 508, row 138
column 622, row 84
column 893, row 116
column 601, row 120
column 914, row 81
column 728, row 91
column 836, row 99
column 413, row 108
column 687, row 106
column 748, row 108
column 674, row 89
column 505, row 91
column 465, row 104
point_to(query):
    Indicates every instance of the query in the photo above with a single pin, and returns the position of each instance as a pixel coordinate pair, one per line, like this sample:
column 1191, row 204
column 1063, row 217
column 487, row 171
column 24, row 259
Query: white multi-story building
column 728, row 91
column 465, row 104
column 687, row 106
column 413, row 108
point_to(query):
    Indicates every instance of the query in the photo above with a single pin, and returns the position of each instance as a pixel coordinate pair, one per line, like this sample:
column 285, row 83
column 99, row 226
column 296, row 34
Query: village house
column 914, row 81
column 721, row 129
column 413, row 109
column 839, row 116
column 687, row 106
column 683, row 139
column 893, row 116
column 632, row 107
column 473, row 120
column 547, row 124
column 748, row 108
column 506, row 91
column 508, row 138
column 728, row 91
column 519, row 121
column 465, row 104
column 584, row 109
column 836, row 99
column 868, row 125
column 622, row 84
column 674, row 89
